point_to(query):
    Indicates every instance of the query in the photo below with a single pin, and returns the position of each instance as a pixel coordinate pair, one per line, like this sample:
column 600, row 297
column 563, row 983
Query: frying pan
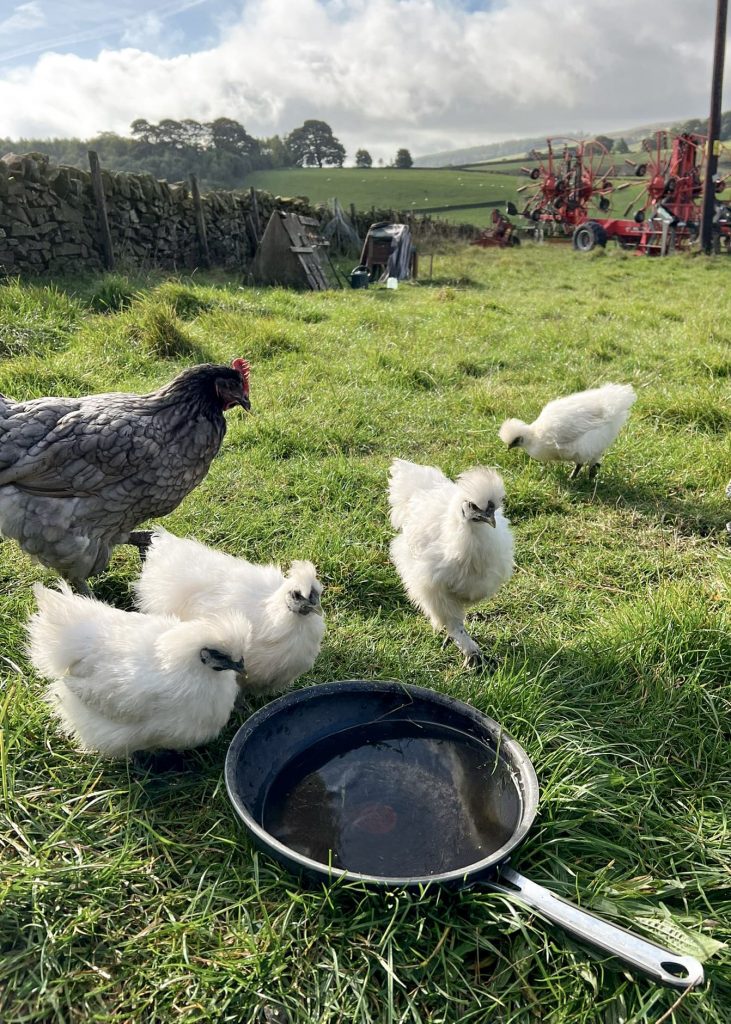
column 399, row 786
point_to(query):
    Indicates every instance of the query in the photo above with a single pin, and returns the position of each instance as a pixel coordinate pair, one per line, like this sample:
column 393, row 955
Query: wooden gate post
column 200, row 222
column 101, row 210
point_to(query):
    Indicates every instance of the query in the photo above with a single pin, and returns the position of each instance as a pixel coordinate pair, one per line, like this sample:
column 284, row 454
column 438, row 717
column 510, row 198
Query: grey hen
column 78, row 474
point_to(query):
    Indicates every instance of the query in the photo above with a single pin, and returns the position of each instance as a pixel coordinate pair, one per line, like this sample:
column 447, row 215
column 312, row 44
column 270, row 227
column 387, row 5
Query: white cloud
column 24, row 18
column 426, row 74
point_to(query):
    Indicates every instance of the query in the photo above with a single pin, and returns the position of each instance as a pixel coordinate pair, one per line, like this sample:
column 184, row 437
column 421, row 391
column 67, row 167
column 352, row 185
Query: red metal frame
column 566, row 182
column 670, row 212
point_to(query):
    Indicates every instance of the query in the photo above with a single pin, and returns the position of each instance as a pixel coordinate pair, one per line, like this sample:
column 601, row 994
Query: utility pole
column 714, row 128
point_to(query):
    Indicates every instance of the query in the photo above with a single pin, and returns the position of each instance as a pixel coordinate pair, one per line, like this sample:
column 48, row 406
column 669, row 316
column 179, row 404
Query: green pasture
column 419, row 189
column 387, row 188
column 133, row 898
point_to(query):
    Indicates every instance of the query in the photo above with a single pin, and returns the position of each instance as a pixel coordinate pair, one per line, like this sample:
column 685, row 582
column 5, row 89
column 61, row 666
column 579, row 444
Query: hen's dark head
column 222, row 386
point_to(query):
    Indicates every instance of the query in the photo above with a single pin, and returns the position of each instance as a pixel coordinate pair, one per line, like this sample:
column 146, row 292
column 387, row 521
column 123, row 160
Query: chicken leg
column 141, row 539
column 575, row 471
column 473, row 656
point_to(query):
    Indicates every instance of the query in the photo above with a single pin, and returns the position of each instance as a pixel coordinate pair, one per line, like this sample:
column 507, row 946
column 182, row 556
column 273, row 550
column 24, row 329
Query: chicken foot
column 473, row 656
column 79, row 586
column 141, row 539
column 594, row 469
column 575, row 471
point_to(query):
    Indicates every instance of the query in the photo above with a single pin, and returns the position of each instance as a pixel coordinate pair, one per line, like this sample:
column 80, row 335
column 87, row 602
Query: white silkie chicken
column 578, row 428
column 125, row 682
column 454, row 547
column 183, row 577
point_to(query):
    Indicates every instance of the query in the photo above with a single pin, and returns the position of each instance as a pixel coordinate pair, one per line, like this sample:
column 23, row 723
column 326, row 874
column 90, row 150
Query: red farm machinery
column 573, row 188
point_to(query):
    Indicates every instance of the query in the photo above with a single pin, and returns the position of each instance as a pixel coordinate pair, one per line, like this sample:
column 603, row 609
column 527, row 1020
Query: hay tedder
column 573, row 188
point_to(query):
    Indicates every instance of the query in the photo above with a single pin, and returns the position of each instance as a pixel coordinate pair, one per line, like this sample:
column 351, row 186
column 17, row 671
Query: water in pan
column 394, row 799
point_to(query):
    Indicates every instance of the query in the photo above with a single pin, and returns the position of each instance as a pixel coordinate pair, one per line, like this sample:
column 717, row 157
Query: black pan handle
column 660, row 964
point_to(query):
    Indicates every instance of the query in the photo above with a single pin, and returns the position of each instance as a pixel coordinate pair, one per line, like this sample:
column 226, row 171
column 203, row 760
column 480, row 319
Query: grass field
column 133, row 898
column 384, row 187
column 414, row 189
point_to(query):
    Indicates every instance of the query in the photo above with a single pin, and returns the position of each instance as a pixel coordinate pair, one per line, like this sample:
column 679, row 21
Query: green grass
column 386, row 188
column 420, row 189
column 131, row 898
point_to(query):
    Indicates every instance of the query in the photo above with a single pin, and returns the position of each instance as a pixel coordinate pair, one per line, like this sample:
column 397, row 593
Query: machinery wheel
column 588, row 236
column 639, row 217
column 535, row 174
column 640, row 170
column 514, row 240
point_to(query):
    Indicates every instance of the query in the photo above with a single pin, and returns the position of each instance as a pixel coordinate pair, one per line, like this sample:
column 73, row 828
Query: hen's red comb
column 242, row 365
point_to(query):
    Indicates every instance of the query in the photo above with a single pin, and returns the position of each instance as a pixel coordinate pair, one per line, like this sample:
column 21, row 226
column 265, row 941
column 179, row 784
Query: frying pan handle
column 659, row 963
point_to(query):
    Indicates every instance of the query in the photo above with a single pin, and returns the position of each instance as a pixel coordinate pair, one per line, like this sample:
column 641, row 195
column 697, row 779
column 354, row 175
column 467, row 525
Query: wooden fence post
column 200, row 222
column 101, row 210
column 255, row 214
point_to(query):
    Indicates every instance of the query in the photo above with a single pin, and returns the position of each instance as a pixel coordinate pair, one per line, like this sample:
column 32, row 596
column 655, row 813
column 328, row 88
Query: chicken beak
column 317, row 608
column 491, row 519
column 225, row 664
column 245, row 403
column 514, row 443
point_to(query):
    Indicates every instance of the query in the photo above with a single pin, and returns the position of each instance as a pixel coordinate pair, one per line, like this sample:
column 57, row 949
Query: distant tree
column 363, row 158
column 172, row 133
column 380, row 161
column 274, row 153
column 195, row 134
column 229, row 136
column 620, row 146
column 313, row 144
column 605, row 141
column 403, row 159
column 143, row 131
column 695, row 125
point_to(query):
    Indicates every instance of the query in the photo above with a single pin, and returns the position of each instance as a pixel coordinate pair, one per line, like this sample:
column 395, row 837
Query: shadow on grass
column 445, row 281
column 689, row 514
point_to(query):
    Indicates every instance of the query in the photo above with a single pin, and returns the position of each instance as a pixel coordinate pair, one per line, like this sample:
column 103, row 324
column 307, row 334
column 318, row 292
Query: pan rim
column 463, row 875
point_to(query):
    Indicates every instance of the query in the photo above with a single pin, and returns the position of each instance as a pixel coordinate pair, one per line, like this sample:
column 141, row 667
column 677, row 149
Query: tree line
column 221, row 152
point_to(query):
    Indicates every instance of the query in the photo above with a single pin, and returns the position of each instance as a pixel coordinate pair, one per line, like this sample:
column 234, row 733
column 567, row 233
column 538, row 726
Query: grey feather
column 78, row 474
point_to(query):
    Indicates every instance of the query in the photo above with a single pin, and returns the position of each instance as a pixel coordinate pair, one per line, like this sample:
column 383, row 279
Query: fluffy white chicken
column 183, row 577
column 578, row 428
column 454, row 547
column 125, row 682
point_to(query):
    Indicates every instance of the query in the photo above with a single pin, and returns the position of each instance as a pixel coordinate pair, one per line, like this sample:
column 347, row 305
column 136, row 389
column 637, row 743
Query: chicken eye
column 296, row 594
column 313, row 596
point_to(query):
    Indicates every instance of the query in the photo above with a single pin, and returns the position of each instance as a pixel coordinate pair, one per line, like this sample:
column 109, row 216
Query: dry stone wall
column 49, row 220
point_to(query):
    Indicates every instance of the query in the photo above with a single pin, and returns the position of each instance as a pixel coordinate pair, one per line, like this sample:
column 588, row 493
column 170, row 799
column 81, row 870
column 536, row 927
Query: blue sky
column 426, row 74
column 84, row 27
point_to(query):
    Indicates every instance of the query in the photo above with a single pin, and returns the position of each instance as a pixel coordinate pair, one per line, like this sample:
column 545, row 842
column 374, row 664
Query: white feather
column 578, row 428
column 447, row 562
column 183, row 577
column 123, row 681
